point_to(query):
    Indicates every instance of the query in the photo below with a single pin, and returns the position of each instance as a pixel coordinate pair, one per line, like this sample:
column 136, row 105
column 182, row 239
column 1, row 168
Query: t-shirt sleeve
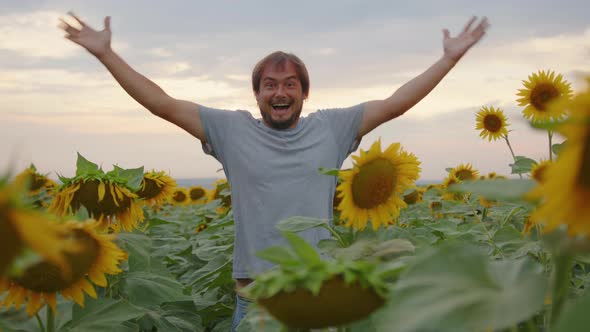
column 217, row 125
column 345, row 124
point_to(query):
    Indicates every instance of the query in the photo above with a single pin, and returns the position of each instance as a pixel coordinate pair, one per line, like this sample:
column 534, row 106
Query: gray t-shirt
column 273, row 174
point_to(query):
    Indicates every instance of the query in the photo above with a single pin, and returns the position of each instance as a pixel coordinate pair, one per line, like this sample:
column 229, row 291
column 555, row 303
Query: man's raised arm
column 380, row 111
column 182, row 113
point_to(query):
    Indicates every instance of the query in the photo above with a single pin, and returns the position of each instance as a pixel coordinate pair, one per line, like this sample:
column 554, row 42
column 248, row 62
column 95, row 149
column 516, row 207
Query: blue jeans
column 241, row 310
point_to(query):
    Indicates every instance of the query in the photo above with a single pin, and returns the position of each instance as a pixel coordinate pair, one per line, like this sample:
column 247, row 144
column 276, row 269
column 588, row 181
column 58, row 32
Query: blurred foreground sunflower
column 22, row 227
column 156, row 188
column 96, row 255
column 372, row 189
column 541, row 90
column 34, row 181
column 565, row 191
column 492, row 122
column 539, row 169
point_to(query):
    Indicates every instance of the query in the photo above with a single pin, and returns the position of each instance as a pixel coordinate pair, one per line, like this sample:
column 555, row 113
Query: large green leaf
column 149, row 290
column 175, row 316
column 101, row 315
column 278, row 255
column 132, row 176
column 139, row 248
column 497, row 189
column 303, row 249
column 575, row 315
column 85, row 167
column 522, row 165
column 457, row 288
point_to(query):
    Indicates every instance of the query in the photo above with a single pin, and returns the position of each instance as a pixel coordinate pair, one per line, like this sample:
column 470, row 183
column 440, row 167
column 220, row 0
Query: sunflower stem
column 333, row 232
column 40, row 322
column 50, row 324
column 550, row 134
column 561, row 283
column 511, row 151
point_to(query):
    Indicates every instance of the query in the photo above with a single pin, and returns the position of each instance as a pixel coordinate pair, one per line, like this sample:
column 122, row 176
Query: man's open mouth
column 280, row 107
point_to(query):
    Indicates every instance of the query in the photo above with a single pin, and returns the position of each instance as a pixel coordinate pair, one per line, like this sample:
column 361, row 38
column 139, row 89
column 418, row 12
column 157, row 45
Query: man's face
column 280, row 97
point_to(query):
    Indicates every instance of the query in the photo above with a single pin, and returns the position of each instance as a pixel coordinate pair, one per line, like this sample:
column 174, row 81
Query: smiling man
column 272, row 163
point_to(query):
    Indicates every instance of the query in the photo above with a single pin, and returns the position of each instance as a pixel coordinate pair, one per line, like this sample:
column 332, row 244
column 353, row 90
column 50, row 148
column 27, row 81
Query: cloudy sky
column 58, row 100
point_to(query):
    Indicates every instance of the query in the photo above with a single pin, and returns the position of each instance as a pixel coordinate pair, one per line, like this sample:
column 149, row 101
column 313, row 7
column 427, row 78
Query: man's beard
column 281, row 125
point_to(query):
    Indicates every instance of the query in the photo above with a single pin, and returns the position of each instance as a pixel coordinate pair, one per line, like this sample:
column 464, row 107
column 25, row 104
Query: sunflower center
column 374, row 183
column 36, row 182
column 47, row 278
column 542, row 94
column 492, row 123
column 196, row 193
column 179, row 196
column 150, row 189
column 10, row 245
column 464, row 174
column 584, row 175
column 87, row 196
column 539, row 173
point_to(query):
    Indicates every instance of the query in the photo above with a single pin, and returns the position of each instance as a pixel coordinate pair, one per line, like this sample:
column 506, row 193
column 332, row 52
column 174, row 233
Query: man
column 271, row 163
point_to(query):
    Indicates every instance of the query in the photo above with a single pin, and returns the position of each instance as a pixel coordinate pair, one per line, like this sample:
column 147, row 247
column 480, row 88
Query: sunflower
column 21, row 227
column 435, row 209
column 34, row 181
column 218, row 192
column 39, row 284
column 565, row 191
column 465, row 172
column 449, row 181
column 156, row 188
column 492, row 123
column 539, row 170
column 111, row 203
column 541, row 90
column 372, row 189
column 197, row 194
column 179, row 196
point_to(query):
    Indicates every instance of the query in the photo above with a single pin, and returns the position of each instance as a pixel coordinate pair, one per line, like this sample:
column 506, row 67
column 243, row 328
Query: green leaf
column 149, row 290
column 101, row 315
column 458, row 288
column 329, row 171
column 522, row 165
column 558, row 147
column 278, row 255
column 132, row 177
column 85, row 167
column 497, row 189
column 305, row 251
column 298, row 224
column 575, row 315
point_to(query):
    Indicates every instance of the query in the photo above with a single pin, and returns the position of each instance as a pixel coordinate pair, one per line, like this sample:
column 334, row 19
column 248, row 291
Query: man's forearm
column 416, row 89
column 143, row 90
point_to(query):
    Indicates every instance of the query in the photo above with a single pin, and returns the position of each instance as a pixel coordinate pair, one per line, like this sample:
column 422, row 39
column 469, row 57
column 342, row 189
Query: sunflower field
column 130, row 250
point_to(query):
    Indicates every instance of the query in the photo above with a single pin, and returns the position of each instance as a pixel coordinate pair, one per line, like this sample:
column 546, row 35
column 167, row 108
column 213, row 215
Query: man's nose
column 280, row 90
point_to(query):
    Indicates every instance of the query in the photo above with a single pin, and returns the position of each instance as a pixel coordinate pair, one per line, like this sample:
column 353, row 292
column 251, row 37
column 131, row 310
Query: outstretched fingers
column 468, row 25
column 481, row 28
column 72, row 31
column 77, row 18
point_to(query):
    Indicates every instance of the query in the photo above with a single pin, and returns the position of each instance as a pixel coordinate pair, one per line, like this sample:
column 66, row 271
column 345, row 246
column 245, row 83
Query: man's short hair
column 281, row 58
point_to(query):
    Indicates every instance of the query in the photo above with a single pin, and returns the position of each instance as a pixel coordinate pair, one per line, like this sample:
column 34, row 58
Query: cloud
column 35, row 35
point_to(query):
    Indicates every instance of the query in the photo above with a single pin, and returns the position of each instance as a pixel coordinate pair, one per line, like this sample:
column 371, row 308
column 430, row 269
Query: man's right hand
column 96, row 42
